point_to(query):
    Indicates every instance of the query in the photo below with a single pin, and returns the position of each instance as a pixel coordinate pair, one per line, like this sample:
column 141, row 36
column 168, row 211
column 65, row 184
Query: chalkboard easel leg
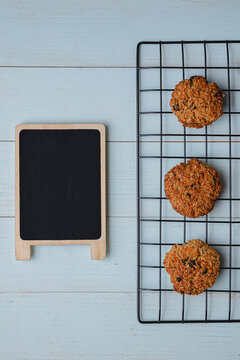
column 98, row 250
column 22, row 250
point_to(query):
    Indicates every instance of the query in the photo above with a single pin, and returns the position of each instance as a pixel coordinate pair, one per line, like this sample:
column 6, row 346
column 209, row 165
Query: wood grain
column 57, row 306
column 68, row 96
column 64, row 327
column 69, row 268
column 105, row 32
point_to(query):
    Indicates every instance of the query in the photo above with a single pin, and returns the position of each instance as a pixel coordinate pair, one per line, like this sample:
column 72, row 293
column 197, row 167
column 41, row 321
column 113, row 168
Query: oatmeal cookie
column 193, row 267
column 197, row 103
column 192, row 188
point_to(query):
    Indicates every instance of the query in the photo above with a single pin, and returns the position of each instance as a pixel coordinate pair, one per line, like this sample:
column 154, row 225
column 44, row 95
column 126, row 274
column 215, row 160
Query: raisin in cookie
column 193, row 267
column 197, row 103
column 192, row 188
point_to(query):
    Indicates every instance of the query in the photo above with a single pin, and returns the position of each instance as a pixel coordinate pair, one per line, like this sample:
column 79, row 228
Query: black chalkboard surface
column 60, row 184
column 60, row 190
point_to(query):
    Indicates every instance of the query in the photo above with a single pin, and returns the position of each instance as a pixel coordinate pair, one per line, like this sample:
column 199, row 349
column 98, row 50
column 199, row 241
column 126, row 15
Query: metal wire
column 160, row 210
column 227, row 221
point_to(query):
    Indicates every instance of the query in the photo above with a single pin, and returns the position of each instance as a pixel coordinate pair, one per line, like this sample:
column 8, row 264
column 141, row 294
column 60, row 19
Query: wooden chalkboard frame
column 98, row 246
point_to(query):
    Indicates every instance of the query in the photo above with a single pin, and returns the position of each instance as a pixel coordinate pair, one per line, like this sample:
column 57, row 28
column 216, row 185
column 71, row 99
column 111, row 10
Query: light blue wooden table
column 74, row 61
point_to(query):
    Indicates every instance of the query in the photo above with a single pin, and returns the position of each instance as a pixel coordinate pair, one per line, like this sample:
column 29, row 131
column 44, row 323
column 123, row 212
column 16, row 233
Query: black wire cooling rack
column 157, row 227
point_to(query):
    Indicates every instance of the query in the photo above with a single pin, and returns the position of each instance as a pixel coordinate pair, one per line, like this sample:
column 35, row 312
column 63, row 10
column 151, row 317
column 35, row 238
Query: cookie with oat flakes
column 192, row 188
column 197, row 103
column 193, row 267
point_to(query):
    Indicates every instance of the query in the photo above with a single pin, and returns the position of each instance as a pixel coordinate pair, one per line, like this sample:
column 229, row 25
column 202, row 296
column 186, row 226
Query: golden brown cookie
column 192, row 188
column 197, row 103
column 193, row 267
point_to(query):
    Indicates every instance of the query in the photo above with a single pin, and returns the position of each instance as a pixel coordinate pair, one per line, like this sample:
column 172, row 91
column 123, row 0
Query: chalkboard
column 60, row 181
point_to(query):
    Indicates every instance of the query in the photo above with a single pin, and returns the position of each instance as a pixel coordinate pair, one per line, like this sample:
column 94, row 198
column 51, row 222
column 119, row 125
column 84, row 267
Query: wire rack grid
column 161, row 143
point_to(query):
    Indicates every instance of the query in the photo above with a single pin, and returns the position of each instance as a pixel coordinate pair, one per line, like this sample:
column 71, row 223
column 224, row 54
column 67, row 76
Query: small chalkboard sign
column 60, row 187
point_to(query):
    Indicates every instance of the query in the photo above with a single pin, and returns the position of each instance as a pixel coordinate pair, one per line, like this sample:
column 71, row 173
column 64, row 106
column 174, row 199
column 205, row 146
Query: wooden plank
column 69, row 96
column 121, row 176
column 69, row 268
column 30, row 95
column 96, row 33
column 69, row 324
column 121, row 184
column 7, row 181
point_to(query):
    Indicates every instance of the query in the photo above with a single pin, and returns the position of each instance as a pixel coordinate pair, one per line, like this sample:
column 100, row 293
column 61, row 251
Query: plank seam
column 149, row 141
column 65, row 67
